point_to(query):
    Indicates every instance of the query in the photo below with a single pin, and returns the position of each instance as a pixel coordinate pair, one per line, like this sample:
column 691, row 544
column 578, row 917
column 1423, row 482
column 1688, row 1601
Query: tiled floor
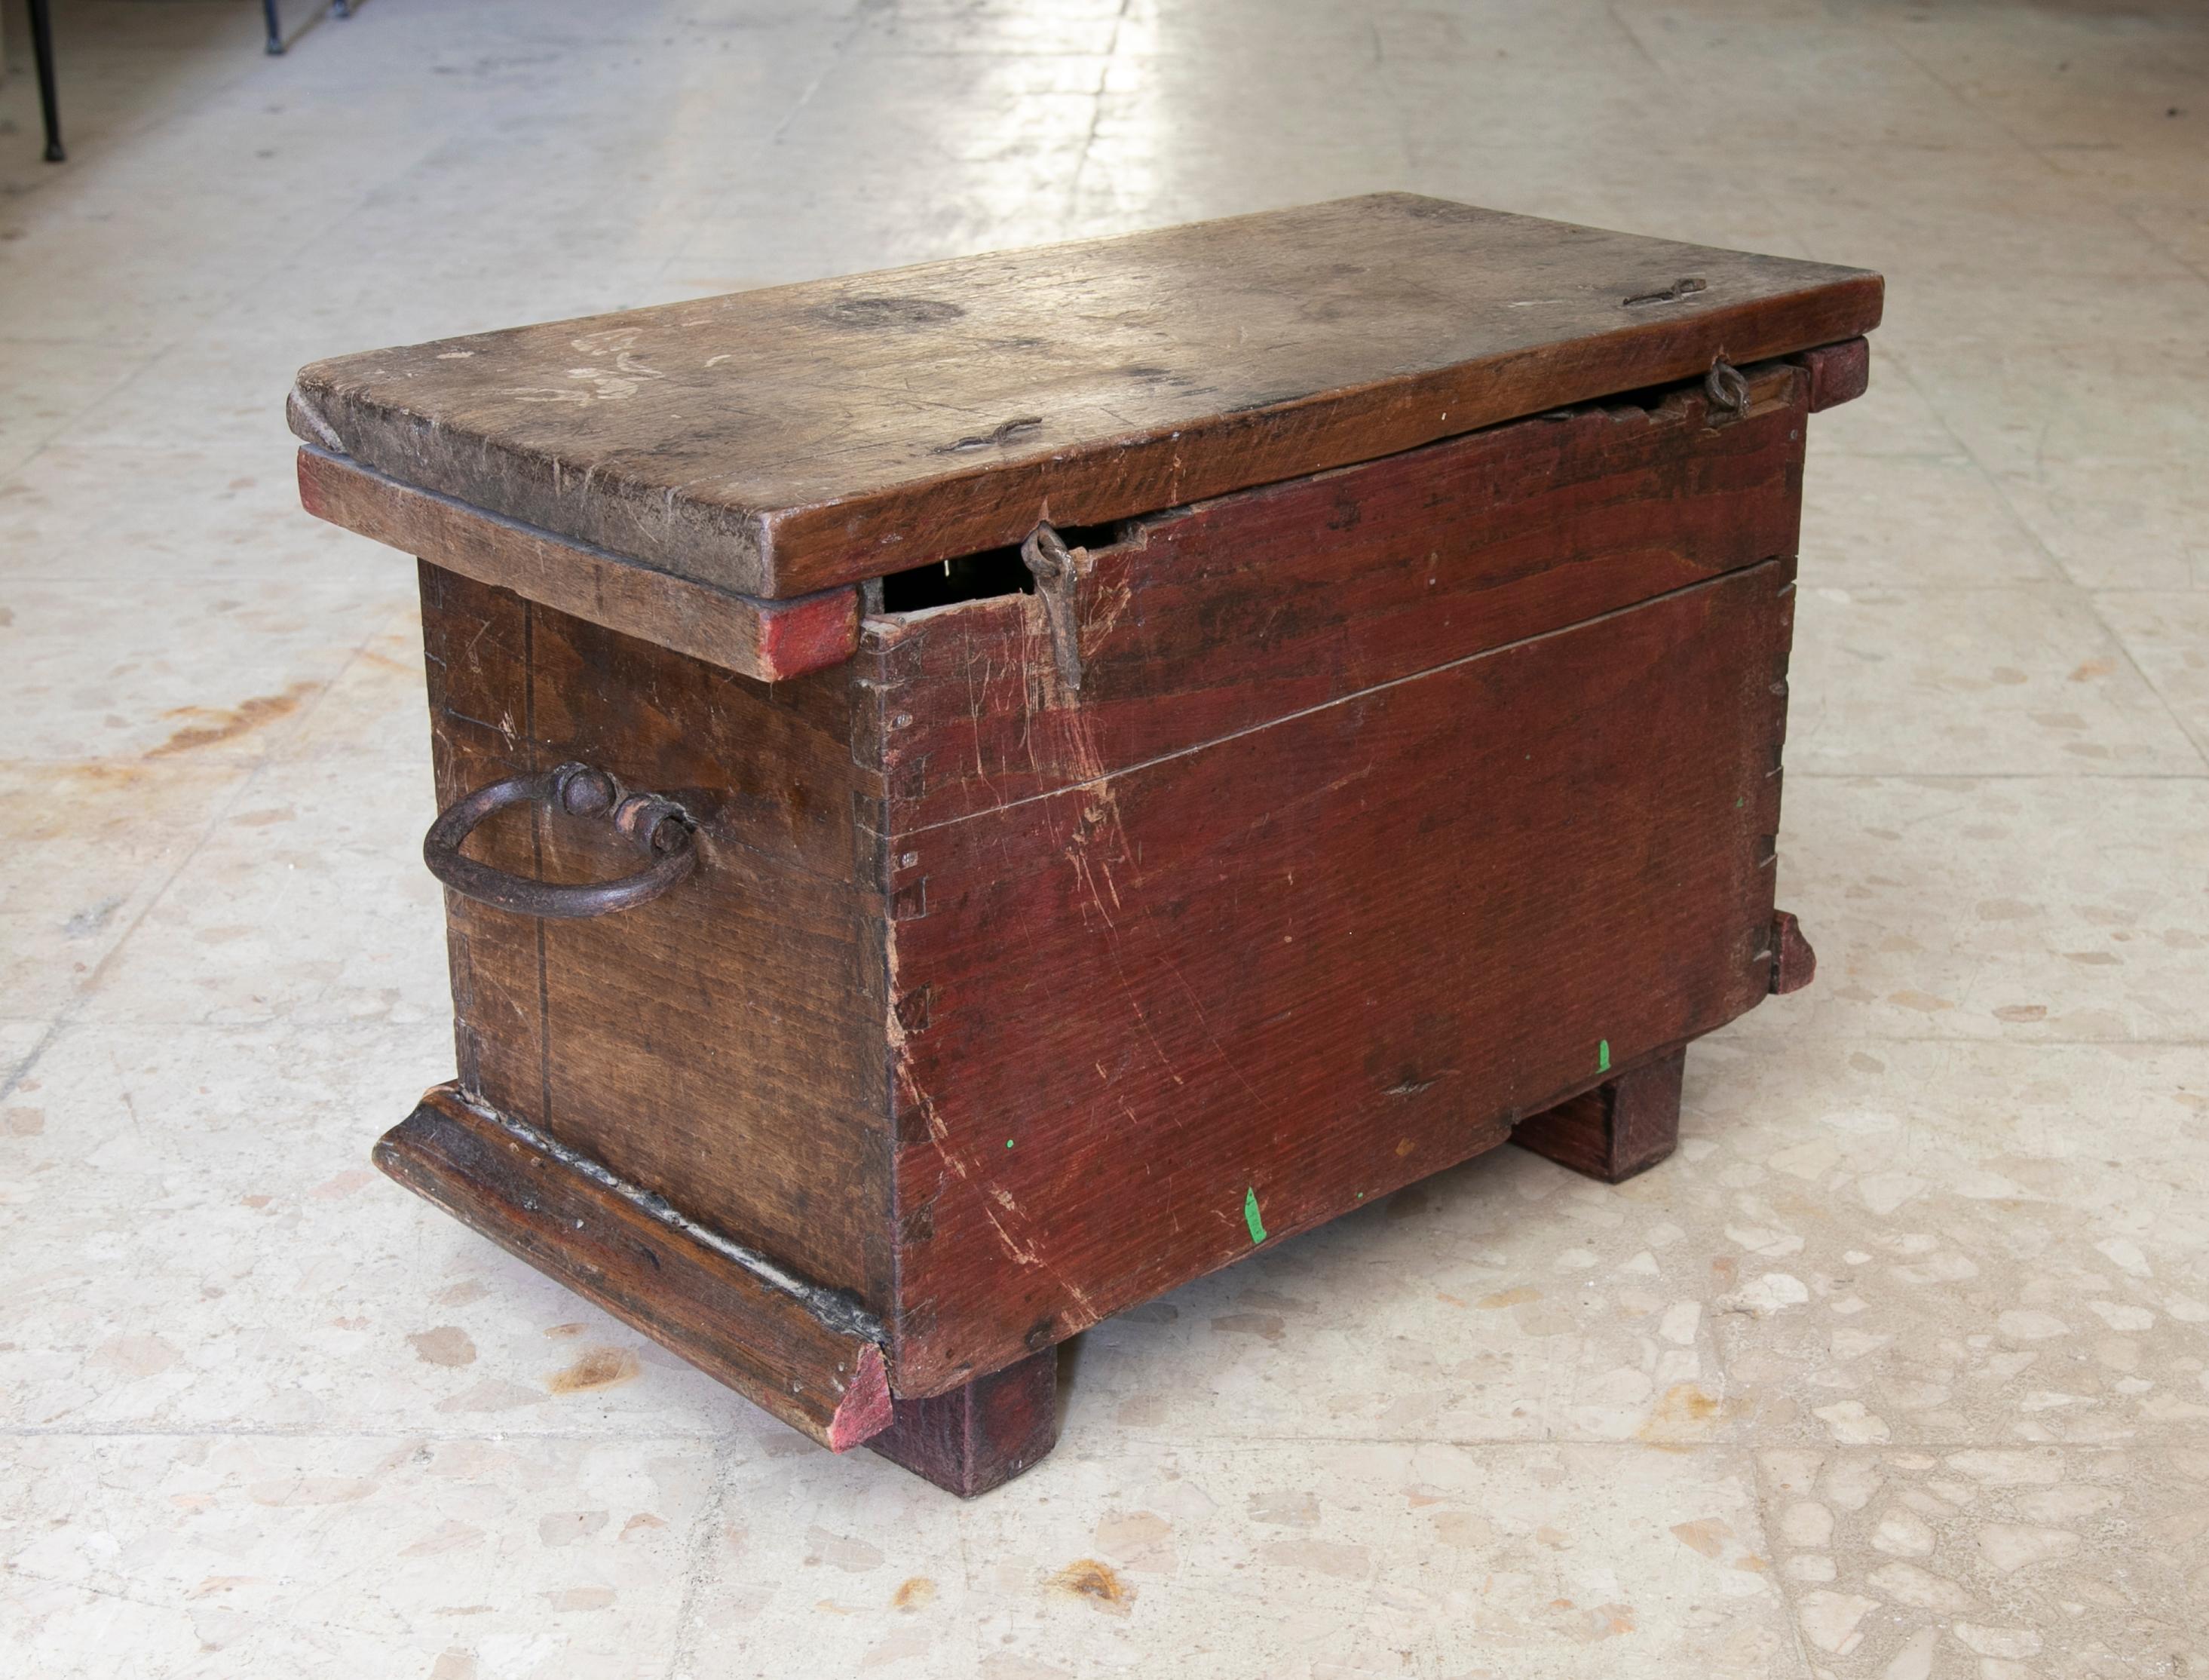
column 1899, row 1369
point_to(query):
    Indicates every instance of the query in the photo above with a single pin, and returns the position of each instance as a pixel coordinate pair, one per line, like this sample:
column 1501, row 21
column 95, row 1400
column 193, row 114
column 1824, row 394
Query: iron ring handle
column 655, row 824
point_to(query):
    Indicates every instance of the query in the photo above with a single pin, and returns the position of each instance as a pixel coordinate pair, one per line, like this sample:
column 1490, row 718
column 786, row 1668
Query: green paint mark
column 1603, row 1056
column 1250, row 1214
column 1008, row 1143
column 1737, row 802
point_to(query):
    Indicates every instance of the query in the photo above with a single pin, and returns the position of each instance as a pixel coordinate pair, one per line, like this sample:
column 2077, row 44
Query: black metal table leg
column 275, row 29
column 42, row 49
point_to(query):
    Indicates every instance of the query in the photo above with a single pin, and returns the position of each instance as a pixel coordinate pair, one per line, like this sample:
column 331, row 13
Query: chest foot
column 975, row 1438
column 1623, row 1126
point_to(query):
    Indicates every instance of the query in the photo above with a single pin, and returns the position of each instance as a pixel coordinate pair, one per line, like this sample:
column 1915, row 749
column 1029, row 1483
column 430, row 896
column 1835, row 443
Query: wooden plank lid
column 779, row 441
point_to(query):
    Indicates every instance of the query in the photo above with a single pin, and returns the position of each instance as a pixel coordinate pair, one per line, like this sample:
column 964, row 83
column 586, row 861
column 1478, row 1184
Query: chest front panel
column 1204, row 620
column 1168, row 1011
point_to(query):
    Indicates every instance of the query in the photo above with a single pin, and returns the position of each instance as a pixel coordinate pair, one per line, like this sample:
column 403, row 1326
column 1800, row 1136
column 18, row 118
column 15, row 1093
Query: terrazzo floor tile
column 1881, row 522
column 2167, row 637
column 1899, row 1369
column 1996, row 1283
column 375, row 710
column 44, row 386
column 86, row 845
column 78, row 514
column 1504, row 1300
column 1997, row 1561
column 487, row 1555
column 2118, row 523
column 156, row 669
column 1218, row 1560
column 2009, row 908
column 19, row 1040
column 1891, row 418
column 251, row 929
column 2018, row 405
column 2022, row 680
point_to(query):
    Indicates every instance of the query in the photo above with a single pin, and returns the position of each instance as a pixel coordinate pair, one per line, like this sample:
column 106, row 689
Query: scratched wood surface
column 772, row 641
column 1242, row 989
column 1221, row 616
column 819, row 1371
column 722, row 1046
column 1398, row 805
column 475, row 645
column 779, row 442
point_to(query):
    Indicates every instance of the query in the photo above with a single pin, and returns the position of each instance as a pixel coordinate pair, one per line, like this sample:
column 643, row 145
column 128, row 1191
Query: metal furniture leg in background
column 338, row 8
column 42, row 49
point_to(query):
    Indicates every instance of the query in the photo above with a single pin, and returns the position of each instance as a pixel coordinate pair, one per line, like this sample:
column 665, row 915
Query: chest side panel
column 1247, row 986
column 721, row 1046
column 1221, row 616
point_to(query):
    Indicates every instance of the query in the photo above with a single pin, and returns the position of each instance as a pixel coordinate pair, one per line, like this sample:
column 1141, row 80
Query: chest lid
column 777, row 442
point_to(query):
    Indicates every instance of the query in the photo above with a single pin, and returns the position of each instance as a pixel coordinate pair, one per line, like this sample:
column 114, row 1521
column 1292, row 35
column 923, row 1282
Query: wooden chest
column 992, row 790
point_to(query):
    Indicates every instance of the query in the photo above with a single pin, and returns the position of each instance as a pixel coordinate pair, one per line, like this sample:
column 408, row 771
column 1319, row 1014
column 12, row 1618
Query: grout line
column 80, row 997
column 1096, row 121
column 67, row 1017
column 2085, row 599
column 697, row 1559
column 2025, row 144
column 266, row 1616
column 1765, row 1502
column 854, row 26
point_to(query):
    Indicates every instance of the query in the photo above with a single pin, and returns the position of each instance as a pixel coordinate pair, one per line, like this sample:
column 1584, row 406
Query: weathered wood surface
column 1623, row 1126
column 772, row 641
column 780, row 441
column 1154, row 1018
column 1236, row 612
column 476, row 645
column 722, row 1046
column 1839, row 373
column 981, row 1436
column 813, row 1362
column 1794, row 964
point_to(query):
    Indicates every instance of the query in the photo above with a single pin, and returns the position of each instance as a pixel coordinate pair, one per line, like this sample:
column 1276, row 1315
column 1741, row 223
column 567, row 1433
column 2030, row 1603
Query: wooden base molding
column 802, row 1354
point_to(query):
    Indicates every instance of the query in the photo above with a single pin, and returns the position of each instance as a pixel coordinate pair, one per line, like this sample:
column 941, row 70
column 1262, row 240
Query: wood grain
column 780, row 441
column 1236, row 612
column 722, row 1046
column 1243, row 988
column 812, row 1366
column 476, row 645
column 981, row 1436
column 771, row 641
column 1623, row 1126
column 1839, row 373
